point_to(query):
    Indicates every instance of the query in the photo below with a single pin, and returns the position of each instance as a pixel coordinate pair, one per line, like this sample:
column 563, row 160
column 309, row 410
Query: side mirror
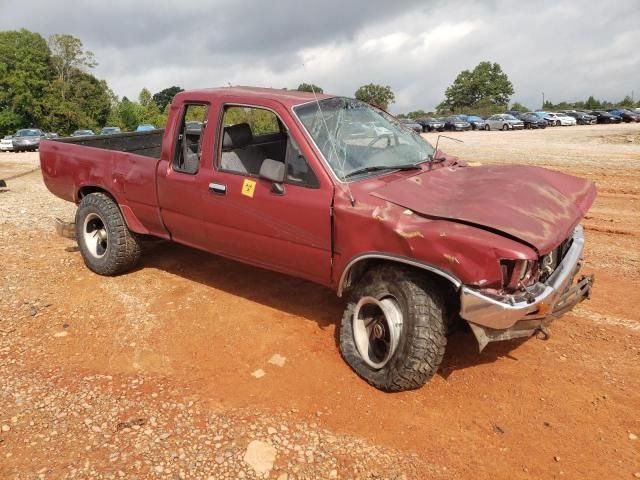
column 274, row 172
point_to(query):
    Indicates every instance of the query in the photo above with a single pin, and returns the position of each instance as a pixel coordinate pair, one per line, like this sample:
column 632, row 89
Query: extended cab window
column 189, row 141
column 250, row 135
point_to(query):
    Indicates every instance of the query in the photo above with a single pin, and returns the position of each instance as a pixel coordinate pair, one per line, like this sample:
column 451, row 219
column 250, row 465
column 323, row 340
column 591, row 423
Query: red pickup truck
column 335, row 191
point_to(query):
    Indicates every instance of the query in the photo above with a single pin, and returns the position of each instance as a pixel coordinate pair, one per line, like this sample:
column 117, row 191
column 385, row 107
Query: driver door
column 284, row 227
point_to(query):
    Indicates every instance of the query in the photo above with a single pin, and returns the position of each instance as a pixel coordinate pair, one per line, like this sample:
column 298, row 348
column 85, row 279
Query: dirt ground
column 157, row 373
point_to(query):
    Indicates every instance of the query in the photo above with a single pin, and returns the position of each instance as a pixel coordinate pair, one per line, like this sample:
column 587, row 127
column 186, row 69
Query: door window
column 189, row 141
column 250, row 135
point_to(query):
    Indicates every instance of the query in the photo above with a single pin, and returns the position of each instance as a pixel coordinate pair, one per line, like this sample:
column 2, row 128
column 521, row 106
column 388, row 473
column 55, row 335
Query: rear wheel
column 393, row 331
column 106, row 244
column 487, row 127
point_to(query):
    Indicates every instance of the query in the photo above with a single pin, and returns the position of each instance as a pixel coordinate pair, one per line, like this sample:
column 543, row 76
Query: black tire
column 487, row 127
column 121, row 250
column 422, row 338
column 505, row 127
column 557, row 123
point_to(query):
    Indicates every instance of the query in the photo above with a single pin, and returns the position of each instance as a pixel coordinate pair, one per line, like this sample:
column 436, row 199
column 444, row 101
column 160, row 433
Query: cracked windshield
column 357, row 139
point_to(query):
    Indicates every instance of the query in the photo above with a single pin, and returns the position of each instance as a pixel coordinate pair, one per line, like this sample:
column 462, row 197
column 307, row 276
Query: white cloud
column 569, row 49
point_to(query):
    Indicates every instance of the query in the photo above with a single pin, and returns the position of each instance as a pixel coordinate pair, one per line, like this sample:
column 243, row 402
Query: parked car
column 531, row 121
column 503, row 121
column 559, row 119
column 545, row 116
column 456, row 124
column 110, row 130
column 431, row 124
column 498, row 246
column 582, row 118
column 626, row 115
column 602, row 116
column 51, row 135
column 194, row 126
column 145, row 127
column 6, row 144
column 27, row 139
column 412, row 124
column 477, row 123
column 82, row 133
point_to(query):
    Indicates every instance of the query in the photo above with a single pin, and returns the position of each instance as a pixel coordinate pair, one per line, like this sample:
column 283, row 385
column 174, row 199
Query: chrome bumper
column 546, row 300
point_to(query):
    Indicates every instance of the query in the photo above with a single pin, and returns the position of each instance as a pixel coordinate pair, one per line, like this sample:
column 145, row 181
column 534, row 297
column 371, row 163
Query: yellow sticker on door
column 248, row 187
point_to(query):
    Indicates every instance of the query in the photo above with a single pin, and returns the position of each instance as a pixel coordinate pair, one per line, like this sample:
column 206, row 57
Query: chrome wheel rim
column 95, row 235
column 377, row 325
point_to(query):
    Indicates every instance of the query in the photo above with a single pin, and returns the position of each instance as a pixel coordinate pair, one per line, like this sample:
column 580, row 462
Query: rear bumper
column 494, row 319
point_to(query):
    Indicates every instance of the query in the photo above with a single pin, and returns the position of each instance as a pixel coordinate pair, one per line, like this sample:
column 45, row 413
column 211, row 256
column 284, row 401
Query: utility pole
column 542, row 100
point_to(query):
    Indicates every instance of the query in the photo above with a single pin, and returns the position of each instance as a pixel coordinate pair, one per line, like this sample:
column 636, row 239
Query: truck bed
column 147, row 144
column 124, row 165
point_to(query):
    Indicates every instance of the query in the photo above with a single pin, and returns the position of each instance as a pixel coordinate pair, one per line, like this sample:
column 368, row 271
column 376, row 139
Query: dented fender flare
column 344, row 278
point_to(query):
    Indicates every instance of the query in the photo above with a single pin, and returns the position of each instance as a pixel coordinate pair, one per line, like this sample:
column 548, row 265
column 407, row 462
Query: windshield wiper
column 375, row 168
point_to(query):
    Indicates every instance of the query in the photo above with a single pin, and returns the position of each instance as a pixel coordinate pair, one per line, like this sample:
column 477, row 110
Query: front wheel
column 106, row 244
column 505, row 127
column 393, row 331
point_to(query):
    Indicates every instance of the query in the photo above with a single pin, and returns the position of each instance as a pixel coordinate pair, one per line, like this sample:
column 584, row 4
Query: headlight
column 517, row 274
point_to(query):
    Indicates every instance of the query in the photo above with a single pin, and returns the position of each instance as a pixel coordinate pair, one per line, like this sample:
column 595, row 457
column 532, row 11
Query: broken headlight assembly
column 518, row 274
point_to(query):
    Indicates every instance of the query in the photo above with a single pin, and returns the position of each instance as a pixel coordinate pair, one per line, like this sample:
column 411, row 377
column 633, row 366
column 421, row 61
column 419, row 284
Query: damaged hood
column 537, row 206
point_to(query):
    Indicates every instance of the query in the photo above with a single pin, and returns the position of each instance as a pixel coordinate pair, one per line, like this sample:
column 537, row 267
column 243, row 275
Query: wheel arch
column 446, row 283
column 360, row 264
column 133, row 223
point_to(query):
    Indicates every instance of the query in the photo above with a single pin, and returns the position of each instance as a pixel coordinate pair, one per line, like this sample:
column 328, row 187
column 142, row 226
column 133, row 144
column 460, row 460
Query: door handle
column 218, row 188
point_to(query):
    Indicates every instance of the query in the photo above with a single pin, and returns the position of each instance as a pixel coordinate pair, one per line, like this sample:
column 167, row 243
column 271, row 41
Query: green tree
column 309, row 87
column 165, row 96
column 378, row 95
column 548, row 105
column 416, row 114
column 518, row 107
column 592, row 103
column 148, row 110
column 68, row 59
column 87, row 105
column 486, row 84
column 24, row 76
column 626, row 102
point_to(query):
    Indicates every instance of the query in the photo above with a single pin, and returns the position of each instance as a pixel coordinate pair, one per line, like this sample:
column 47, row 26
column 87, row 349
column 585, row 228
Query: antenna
column 331, row 140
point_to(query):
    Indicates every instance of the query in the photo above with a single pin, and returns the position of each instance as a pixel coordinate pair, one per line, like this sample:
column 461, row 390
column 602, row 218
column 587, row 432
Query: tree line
column 48, row 84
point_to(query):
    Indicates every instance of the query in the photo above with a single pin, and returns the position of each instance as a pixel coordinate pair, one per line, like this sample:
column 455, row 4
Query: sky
column 566, row 49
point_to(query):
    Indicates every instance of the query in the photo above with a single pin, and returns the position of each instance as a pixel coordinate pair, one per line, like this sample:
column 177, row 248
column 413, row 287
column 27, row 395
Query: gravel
column 74, row 422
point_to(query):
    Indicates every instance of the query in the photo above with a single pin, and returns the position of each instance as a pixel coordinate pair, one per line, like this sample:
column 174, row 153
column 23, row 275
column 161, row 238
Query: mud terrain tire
column 421, row 339
column 106, row 244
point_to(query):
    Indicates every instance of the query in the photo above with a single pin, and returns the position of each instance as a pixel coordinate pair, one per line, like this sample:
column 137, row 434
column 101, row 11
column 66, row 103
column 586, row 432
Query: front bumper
column 25, row 146
column 494, row 319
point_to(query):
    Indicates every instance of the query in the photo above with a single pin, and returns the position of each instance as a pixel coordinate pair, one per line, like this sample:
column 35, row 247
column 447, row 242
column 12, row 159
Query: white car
column 560, row 119
column 6, row 144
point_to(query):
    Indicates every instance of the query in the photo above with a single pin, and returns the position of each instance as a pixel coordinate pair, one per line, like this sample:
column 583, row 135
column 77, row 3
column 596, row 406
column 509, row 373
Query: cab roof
column 288, row 98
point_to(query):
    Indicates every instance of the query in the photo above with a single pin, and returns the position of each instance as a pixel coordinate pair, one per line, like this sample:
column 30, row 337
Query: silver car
column 27, row 139
column 6, row 144
column 503, row 121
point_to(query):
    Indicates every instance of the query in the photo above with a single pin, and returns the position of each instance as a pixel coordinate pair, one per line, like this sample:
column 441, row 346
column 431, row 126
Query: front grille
column 550, row 261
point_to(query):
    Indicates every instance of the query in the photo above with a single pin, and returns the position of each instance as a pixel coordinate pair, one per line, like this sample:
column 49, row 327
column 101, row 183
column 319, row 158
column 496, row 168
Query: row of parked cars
column 28, row 139
column 513, row 120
